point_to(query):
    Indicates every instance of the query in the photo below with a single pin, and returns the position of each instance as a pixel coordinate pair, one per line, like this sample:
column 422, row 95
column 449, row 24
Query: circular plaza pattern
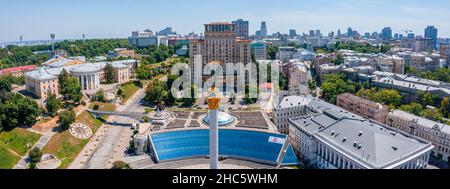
column 80, row 131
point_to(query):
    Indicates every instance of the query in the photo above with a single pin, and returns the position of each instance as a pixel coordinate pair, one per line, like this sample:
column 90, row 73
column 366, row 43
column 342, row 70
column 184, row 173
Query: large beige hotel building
column 220, row 45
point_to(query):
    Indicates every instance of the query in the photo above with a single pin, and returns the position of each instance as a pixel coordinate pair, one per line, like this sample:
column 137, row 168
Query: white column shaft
column 213, row 139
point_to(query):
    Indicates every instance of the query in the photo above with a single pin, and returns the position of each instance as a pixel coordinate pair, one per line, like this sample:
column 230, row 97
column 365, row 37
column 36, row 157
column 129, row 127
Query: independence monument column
column 213, row 100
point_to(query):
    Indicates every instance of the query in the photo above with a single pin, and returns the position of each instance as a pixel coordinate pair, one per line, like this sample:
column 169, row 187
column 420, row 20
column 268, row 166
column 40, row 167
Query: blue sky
column 35, row 19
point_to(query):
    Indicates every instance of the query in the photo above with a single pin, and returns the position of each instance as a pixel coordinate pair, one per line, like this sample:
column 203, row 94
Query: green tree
column 120, row 165
column 414, row 108
column 5, row 85
column 432, row 114
column 62, row 78
column 72, row 90
column 52, row 105
column 66, row 118
column 109, row 73
column 389, row 97
column 272, row 52
column 16, row 110
column 445, row 106
column 156, row 92
column 426, row 98
column 334, row 85
column 312, row 84
column 35, row 155
column 100, row 96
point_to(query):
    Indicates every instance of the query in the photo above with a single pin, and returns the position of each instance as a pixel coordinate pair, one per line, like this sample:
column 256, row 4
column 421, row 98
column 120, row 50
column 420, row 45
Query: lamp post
column 213, row 100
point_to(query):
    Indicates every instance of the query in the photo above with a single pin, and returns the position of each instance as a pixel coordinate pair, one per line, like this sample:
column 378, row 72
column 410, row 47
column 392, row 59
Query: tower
column 213, row 101
column 53, row 43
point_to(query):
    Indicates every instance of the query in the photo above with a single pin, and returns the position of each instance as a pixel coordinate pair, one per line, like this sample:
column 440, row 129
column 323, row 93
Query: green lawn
column 7, row 159
column 128, row 91
column 65, row 146
column 17, row 139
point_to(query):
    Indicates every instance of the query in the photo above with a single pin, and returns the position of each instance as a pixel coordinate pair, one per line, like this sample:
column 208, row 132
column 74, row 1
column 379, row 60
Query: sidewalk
column 82, row 159
column 43, row 140
column 23, row 163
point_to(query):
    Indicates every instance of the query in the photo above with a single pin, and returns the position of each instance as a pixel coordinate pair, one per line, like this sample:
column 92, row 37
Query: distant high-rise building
column 432, row 32
column 339, row 33
column 386, row 33
column 411, row 35
column 263, row 30
column 292, row 33
column 349, row 32
column 318, row 34
column 396, row 36
column 331, row 34
column 367, row 35
column 311, row 33
column 241, row 27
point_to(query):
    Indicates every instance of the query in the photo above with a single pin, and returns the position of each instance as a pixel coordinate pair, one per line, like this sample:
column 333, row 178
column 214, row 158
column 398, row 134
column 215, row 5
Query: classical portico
column 88, row 76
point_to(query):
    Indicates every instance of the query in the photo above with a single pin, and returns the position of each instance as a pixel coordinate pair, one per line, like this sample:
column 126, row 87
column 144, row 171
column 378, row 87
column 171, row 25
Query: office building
column 386, row 33
column 432, row 33
column 143, row 39
column 259, row 50
column 292, row 33
column 166, row 32
column 445, row 52
column 263, row 30
column 241, row 28
column 121, row 52
column 349, row 32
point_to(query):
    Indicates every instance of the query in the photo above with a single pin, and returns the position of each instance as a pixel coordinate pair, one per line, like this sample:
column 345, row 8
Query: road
column 110, row 141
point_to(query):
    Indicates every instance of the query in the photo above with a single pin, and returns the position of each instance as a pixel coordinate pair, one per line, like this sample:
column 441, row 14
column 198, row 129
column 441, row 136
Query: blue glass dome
column 223, row 118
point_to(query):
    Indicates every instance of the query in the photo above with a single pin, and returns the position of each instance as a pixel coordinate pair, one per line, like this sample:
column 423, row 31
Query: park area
column 65, row 146
column 14, row 144
column 128, row 90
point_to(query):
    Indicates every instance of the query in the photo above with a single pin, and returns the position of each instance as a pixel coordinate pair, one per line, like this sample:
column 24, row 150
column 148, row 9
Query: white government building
column 44, row 80
column 327, row 137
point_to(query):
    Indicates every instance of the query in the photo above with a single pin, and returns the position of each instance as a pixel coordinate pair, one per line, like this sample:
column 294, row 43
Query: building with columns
column 90, row 75
column 327, row 137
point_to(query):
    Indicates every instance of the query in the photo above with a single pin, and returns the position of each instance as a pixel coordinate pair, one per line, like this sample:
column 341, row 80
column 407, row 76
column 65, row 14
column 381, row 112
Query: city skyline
column 111, row 19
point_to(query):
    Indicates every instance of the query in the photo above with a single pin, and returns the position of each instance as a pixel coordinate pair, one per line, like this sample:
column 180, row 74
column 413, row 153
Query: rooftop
column 421, row 121
column 371, row 143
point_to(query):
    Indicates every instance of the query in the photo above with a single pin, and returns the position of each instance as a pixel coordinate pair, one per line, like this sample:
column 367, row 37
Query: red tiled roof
column 20, row 68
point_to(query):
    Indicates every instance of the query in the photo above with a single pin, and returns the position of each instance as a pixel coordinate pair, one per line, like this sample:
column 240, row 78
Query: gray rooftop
column 47, row 72
column 370, row 143
column 421, row 121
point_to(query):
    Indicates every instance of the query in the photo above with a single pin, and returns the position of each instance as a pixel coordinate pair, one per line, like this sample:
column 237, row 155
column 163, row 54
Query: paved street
column 110, row 141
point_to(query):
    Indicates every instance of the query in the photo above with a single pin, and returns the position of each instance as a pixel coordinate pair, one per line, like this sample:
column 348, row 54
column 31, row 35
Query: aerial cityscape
column 246, row 92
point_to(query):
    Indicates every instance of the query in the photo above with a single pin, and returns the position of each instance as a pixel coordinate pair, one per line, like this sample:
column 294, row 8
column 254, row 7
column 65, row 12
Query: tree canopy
column 16, row 109
column 71, row 89
column 156, row 92
column 52, row 105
